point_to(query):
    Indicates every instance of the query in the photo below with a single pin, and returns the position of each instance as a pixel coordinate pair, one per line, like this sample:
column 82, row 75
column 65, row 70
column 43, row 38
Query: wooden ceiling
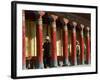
column 80, row 18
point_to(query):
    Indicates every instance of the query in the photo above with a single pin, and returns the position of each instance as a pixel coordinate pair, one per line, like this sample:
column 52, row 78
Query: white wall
column 5, row 40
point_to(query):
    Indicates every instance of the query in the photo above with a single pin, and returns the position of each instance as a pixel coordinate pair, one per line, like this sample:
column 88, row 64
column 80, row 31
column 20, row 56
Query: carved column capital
column 82, row 27
column 74, row 23
column 23, row 15
column 87, row 29
column 54, row 17
column 65, row 22
column 74, row 26
column 41, row 13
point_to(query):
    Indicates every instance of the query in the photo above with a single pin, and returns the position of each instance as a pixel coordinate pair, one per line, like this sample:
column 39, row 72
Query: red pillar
column 23, row 41
column 53, row 42
column 39, row 36
column 81, row 45
column 73, row 43
column 88, row 47
column 65, row 42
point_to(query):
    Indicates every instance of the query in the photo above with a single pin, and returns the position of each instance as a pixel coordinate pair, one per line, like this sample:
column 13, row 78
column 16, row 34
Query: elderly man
column 46, row 56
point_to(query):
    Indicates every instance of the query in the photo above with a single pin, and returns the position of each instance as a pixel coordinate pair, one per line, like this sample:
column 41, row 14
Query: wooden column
column 23, row 41
column 53, row 42
column 81, row 44
column 73, row 43
column 39, row 36
column 88, row 46
column 65, row 42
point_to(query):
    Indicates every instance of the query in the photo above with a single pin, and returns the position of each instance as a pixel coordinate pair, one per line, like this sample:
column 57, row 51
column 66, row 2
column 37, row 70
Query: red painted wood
column 88, row 49
column 53, row 45
column 65, row 44
column 23, row 39
column 81, row 48
column 39, row 43
column 53, row 41
column 39, row 36
column 73, row 48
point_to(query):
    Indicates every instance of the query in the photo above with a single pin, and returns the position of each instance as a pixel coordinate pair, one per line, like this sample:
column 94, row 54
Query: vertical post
column 29, row 45
column 39, row 36
column 73, row 43
column 53, row 42
column 87, row 46
column 81, row 45
column 23, row 41
column 65, row 42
